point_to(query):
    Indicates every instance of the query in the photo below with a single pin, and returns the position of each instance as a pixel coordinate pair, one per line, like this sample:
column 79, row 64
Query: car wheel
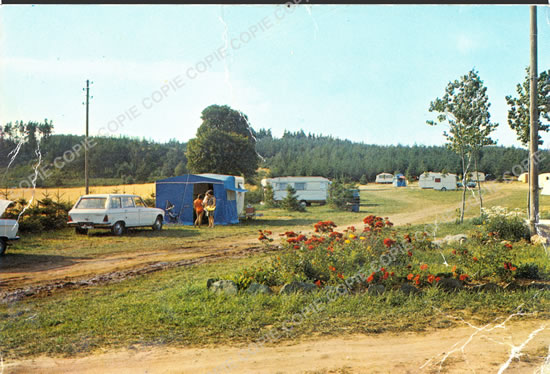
column 80, row 231
column 443, row 189
column 303, row 203
column 157, row 226
column 118, row 228
column 3, row 246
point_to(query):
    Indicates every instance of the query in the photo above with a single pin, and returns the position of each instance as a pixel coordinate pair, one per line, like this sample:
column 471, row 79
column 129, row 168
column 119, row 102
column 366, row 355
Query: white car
column 113, row 211
column 8, row 228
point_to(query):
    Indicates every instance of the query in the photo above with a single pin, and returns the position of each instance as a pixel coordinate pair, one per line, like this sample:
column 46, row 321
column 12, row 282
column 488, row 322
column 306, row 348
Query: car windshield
column 91, row 203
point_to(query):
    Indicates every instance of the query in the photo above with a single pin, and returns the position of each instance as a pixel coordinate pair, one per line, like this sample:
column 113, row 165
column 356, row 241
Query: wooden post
column 533, row 126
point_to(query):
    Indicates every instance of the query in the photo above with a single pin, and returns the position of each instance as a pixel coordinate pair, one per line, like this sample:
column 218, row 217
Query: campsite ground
column 42, row 328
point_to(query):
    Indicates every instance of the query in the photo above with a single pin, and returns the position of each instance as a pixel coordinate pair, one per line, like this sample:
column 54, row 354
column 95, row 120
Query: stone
column 376, row 289
column 227, row 287
column 450, row 284
column 450, row 239
column 295, row 286
column 256, row 289
column 409, row 289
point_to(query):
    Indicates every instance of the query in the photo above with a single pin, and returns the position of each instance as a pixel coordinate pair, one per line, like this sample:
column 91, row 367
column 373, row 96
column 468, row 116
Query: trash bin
column 356, row 200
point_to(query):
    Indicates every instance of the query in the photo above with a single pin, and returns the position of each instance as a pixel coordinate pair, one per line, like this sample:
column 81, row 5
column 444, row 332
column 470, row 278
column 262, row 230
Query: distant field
column 73, row 193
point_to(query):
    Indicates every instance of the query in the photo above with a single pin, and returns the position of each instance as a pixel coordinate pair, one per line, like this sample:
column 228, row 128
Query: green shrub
column 253, row 196
column 340, row 195
column 507, row 225
column 290, row 202
column 269, row 197
column 528, row 271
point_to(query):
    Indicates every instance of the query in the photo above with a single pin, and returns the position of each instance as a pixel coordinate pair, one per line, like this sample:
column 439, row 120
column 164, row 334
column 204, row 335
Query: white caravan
column 308, row 189
column 437, row 181
column 384, row 178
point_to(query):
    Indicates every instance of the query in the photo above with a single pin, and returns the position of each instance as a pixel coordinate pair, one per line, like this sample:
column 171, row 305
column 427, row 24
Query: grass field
column 173, row 306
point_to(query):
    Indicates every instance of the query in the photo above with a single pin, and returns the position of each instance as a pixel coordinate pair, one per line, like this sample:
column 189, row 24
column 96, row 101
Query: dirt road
column 487, row 349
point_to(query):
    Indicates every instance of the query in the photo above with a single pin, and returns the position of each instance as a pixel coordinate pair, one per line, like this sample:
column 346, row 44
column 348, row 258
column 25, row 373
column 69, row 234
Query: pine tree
column 290, row 202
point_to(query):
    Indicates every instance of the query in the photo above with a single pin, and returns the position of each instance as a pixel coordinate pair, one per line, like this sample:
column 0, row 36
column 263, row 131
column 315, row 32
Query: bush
column 290, row 202
column 269, row 197
column 253, row 196
column 528, row 271
column 340, row 197
column 44, row 215
column 507, row 225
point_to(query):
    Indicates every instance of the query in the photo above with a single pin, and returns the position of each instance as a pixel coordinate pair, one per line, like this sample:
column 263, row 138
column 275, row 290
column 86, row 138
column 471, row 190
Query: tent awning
column 235, row 189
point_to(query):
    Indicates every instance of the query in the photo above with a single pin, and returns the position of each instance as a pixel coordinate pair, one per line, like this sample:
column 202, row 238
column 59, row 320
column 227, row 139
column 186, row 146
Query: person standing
column 209, row 204
column 199, row 210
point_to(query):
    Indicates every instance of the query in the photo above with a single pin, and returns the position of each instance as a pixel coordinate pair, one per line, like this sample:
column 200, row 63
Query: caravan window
column 437, row 180
column 231, row 195
column 299, row 186
column 282, row 186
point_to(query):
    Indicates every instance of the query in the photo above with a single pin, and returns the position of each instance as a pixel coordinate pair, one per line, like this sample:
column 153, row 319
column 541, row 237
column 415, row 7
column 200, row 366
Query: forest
column 116, row 160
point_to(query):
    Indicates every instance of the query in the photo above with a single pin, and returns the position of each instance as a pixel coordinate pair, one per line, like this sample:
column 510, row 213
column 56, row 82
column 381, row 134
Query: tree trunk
column 463, row 190
column 478, row 188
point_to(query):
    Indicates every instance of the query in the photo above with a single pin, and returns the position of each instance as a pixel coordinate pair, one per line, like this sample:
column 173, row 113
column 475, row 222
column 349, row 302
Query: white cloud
column 465, row 44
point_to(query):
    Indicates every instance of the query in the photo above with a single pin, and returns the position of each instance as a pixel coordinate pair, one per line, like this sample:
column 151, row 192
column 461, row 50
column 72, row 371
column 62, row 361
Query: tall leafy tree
column 518, row 114
column 225, row 144
column 465, row 108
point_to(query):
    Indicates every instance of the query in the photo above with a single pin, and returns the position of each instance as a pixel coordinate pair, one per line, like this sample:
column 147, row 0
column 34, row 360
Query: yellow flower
column 347, row 241
column 351, row 236
column 362, row 238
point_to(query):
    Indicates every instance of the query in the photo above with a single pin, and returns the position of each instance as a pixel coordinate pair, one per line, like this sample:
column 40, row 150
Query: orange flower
column 423, row 267
column 508, row 245
column 431, row 278
column 453, row 251
column 370, row 278
column 340, row 276
column 296, row 247
column 331, row 268
column 454, row 268
column 389, row 242
column 513, row 268
column 410, row 276
column 463, row 277
column 318, row 283
column 437, row 279
column 474, row 258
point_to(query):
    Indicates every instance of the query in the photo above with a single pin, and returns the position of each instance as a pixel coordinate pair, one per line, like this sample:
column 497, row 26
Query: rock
column 256, row 288
column 487, row 287
column 227, row 287
column 450, row 239
column 408, row 289
column 209, row 282
column 450, row 284
column 376, row 289
column 537, row 239
column 294, row 287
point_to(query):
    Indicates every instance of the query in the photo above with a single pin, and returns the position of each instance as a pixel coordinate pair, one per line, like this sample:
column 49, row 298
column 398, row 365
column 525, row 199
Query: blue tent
column 175, row 196
column 399, row 180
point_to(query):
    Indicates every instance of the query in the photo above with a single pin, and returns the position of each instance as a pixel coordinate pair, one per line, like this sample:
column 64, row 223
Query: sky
column 359, row 72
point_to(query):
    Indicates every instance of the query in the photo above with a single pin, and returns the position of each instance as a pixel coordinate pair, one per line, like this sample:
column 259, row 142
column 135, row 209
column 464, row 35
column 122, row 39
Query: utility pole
column 533, row 127
column 86, row 139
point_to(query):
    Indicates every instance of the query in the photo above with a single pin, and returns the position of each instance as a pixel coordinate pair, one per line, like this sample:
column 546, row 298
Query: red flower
column 407, row 238
column 437, row 279
column 423, row 267
column 329, row 248
column 474, row 258
column 370, row 278
column 410, row 276
column 382, row 269
column 409, row 253
column 463, row 277
column 386, row 275
column 508, row 245
column 296, row 247
column 389, row 242
column 513, row 268
column 310, row 247
column 506, row 265
column 431, row 278
column 340, row 276
column 331, row 268
column 392, row 273
column 318, row 283
column 453, row 251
